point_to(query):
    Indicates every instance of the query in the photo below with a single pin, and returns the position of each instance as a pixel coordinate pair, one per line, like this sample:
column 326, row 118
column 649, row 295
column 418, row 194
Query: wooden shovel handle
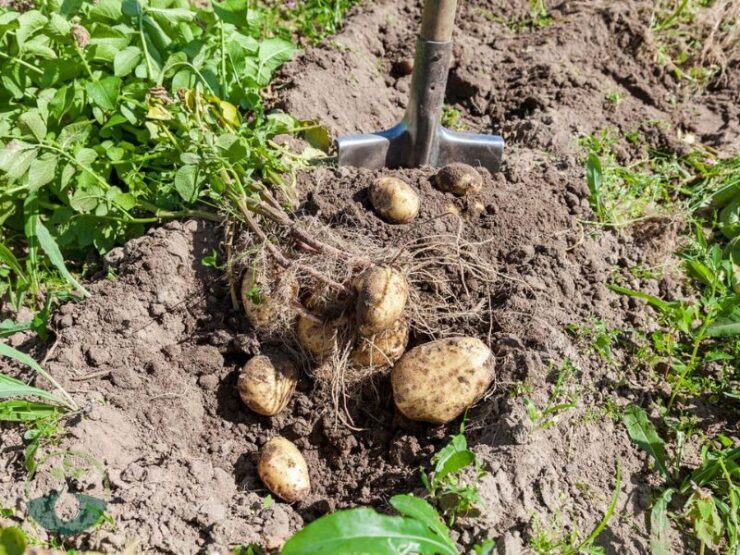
column 438, row 20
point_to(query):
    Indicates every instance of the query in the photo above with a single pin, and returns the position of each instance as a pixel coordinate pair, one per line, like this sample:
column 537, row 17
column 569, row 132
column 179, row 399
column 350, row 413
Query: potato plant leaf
column 643, row 433
column 365, row 531
column 50, row 247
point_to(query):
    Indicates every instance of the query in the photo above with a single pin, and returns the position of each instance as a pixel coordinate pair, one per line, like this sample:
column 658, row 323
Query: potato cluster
column 433, row 382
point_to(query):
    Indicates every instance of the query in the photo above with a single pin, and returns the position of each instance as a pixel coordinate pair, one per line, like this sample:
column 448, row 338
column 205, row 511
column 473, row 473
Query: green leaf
column 364, row 531
column 701, row 510
column 50, row 247
column 10, row 387
column 15, row 159
column 272, row 54
column 12, row 541
column 643, row 433
column 126, row 60
column 7, row 256
column 725, row 326
column 594, row 179
column 35, row 124
column 28, row 23
column 186, row 182
column 175, row 15
column 41, row 172
column 658, row 303
column 20, row 410
column 660, row 525
column 104, row 93
column 74, row 134
column 232, row 11
column 420, row 510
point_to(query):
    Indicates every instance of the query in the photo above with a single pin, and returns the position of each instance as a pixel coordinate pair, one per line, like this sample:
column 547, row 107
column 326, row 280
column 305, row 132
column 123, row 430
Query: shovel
column 419, row 139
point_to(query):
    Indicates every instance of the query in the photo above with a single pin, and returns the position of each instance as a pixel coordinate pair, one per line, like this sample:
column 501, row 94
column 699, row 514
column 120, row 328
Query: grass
column 561, row 399
column 694, row 346
column 538, row 16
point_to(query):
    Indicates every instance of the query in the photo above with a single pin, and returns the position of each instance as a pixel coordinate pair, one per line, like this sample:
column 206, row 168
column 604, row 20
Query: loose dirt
column 154, row 354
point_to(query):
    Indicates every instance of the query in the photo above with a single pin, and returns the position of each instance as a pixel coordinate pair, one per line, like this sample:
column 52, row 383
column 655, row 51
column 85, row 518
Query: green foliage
column 452, row 118
column 558, row 401
column 444, row 483
column 310, row 20
column 418, row 529
column 642, row 432
column 600, row 339
column 12, row 541
column 123, row 113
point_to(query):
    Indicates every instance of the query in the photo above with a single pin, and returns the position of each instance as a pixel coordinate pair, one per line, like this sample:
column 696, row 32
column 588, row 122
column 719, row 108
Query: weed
column 614, row 97
column 452, row 118
column 599, row 338
column 444, row 483
column 539, row 16
column 709, row 494
column 558, row 401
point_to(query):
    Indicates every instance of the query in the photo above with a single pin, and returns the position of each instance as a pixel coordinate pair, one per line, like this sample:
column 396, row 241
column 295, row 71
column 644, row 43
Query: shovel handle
column 438, row 20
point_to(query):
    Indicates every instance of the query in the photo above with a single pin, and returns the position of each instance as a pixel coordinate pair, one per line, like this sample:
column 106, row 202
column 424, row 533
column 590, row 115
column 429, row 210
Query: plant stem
column 21, row 62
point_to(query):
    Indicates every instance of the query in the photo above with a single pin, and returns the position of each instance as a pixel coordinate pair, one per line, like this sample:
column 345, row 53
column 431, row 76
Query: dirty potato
column 394, row 200
column 435, row 382
column 383, row 349
column 265, row 303
column 283, row 470
column 316, row 336
column 267, row 382
column 382, row 293
column 458, row 179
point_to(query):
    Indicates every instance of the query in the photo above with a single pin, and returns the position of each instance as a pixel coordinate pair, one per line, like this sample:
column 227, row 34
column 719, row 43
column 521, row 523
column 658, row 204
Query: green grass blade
column 643, row 433
column 659, row 524
column 595, row 179
column 607, row 515
column 658, row 303
column 9, row 258
column 10, row 387
column 8, row 351
column 50, row 247
column 20, row 410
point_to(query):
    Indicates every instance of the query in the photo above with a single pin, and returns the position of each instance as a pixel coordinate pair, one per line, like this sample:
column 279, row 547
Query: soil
column 154, row 354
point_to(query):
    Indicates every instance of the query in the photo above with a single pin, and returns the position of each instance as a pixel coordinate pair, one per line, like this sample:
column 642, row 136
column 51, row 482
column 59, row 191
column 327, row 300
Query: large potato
column 458, row 179
column 435, row 382
column 265, row 303
column 382, row 293
column 318, row 338
column 383, row 349
column 266, row 383
column 393, row 200
column 283, row 470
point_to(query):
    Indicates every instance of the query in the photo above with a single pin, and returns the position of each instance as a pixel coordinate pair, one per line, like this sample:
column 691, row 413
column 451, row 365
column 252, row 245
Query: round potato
column 382, row 293
column 267, row 382
column 383, row 349
column 394, row 200
column 318, row 338
column 265, row 303
column 283, row 470
column 458, row 179
column 435, row 382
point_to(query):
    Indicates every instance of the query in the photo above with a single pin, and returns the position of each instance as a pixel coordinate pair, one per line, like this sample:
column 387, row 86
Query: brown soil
column 154, row 354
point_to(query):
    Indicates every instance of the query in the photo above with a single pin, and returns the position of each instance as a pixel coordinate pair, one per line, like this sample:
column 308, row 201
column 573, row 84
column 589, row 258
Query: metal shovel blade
column 419, row 139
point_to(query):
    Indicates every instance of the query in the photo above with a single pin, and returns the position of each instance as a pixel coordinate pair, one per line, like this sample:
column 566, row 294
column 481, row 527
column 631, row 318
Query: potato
column 458, row 179
column 283, row 470
column 382, row 293
column 393, row 200
column 270, row 310
column 383, row 349
column 435, row 382
column 318, row 338
column 266, row 383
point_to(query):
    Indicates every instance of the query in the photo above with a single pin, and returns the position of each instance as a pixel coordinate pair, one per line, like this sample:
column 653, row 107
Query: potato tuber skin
column 265, row 314
column 383, row 349
column 458, row 179
column 267, row 382
column 284, row 471
column 394, row 200
column 435, row 382
column 382, row 293
column 318, row 338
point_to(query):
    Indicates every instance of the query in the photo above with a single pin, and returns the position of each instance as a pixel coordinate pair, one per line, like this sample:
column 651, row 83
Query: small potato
column 382, row 293
column 266, row 383
column 458, row 179
column 283, row 470
column 383, row 349
column 435, row 382
column 270, row 309
column 318, row 338
column 393, row 200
